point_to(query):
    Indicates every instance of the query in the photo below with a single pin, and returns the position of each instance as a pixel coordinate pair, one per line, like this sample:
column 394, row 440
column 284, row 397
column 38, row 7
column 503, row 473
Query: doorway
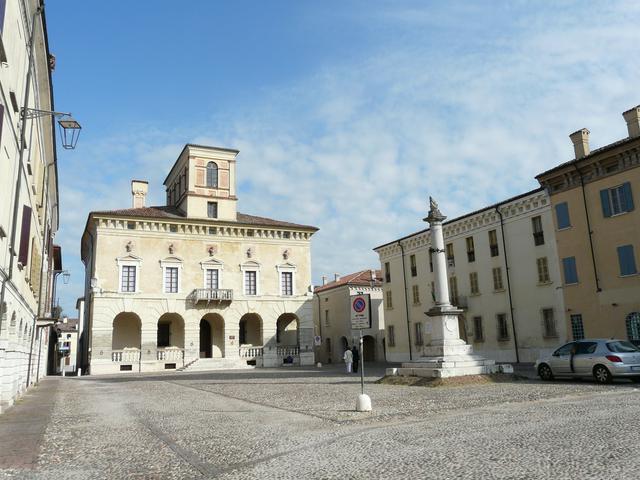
column 205, row 339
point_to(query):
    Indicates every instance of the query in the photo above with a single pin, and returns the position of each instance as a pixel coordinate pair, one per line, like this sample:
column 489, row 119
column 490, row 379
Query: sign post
column 360, row 319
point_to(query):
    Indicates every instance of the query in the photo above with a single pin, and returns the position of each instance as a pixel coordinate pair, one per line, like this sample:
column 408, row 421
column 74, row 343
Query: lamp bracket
column 30, row 113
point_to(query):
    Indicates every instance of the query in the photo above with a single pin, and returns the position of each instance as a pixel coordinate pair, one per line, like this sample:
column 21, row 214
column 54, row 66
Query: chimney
column 139, row 189
column 324, row 280
column 580, row 141
column 632, row 117
column 336, row 277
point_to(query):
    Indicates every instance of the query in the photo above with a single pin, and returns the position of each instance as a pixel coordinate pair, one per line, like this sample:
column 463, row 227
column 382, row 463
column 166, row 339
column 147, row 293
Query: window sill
column 571, row 284
column 477, row 294
column 499, row 290
column 617, row 214
column 564, row 228
column 504, row 339
column 628, row 275
column 416, row 304
column 545, row 284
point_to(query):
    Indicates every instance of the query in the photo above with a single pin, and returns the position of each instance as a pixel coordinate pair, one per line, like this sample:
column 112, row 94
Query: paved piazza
column 301, row 423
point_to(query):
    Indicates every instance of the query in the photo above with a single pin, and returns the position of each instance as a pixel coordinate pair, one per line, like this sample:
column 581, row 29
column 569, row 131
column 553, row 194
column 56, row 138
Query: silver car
column 603, row 359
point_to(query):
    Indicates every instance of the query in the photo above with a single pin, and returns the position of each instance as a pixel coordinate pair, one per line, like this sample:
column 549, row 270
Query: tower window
column 212, row 175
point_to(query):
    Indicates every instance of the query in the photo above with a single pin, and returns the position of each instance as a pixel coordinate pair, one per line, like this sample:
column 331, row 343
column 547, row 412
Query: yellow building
column 195, row 283
column 597, row 227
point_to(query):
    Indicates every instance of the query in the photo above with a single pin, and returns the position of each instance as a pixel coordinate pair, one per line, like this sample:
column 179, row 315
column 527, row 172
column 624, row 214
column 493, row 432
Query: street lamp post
column 65, row 278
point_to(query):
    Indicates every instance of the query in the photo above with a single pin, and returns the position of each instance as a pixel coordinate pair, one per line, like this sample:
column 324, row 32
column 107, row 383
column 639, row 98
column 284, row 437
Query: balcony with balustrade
column 211, row 295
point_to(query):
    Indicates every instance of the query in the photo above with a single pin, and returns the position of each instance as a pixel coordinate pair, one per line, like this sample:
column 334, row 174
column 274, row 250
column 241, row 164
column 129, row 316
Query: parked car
column 602, row 359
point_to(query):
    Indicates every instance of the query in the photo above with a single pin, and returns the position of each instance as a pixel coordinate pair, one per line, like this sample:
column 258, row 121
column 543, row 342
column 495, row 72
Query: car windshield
column 622, row 347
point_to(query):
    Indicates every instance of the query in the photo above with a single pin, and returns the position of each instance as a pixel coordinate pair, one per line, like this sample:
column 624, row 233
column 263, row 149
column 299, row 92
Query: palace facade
column 195, row 283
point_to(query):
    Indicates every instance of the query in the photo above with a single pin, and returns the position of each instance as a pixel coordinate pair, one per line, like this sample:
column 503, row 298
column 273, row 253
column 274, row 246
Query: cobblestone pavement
column 301, row 423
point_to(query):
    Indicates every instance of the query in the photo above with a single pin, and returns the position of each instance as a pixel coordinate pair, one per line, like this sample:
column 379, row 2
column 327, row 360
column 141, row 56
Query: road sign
column 360, row 312
column 317, row 340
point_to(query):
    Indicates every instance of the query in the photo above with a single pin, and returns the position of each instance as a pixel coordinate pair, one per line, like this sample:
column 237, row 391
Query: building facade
column 502, row 269
column 28, row 197
column 597, row 228
column 332, row 317
column 195, row 282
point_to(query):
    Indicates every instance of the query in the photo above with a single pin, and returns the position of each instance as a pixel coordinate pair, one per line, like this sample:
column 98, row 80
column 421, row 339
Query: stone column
column 149, row 345
column 445, row 337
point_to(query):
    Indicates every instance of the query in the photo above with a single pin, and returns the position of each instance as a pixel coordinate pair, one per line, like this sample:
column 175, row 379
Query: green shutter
column 604, row 199
column 627, row 199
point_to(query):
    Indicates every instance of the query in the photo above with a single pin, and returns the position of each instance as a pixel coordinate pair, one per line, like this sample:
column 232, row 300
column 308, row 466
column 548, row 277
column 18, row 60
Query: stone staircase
column 204, row 364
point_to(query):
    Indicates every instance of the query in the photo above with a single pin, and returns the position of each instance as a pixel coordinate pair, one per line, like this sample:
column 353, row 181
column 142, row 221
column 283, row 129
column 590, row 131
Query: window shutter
column 570, row 272
column 626, row 260
column 25, row 235
column 3, row 7
column 562, row 215
column 627, row 199
column 604, row 199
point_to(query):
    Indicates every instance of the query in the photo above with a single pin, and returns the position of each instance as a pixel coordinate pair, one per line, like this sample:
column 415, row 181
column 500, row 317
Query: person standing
column 348, row 359
column 356, row 358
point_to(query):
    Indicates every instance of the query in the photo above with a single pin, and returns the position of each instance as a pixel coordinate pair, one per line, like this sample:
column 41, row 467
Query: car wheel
column 545, row 373
column 602, row 374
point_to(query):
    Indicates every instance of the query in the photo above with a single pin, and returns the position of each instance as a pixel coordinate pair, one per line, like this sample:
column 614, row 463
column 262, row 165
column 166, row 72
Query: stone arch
column 126, row 331
column 344, row 344
column 368, row 348
column 250, row 330
column 170, row 330
column 212, row 336
column 287, row 329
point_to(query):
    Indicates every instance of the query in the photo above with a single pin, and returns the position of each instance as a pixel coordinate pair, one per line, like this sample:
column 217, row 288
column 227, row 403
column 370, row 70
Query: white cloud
column 356, row 149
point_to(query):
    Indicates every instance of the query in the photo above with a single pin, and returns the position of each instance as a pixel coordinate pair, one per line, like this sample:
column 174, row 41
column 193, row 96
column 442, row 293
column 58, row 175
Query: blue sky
column 347, row 114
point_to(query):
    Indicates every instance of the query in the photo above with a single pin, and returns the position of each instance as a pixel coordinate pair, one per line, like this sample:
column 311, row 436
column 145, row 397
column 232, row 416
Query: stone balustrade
column 211, row 295
column 250, row 352
column 288, row 351
column 170, row 354
column 128, row 355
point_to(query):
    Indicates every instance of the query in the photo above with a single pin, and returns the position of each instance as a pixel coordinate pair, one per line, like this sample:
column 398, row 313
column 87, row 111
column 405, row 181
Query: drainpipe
column 586, row 213
column 506, row 266
column 406, row 300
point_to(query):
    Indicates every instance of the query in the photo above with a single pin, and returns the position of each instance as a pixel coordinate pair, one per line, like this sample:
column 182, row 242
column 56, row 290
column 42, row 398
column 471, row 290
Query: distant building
column 332, row 317
column 597, row 229
column 29, row 214
column 503, row 273
column 67, row 347
column 194, row 283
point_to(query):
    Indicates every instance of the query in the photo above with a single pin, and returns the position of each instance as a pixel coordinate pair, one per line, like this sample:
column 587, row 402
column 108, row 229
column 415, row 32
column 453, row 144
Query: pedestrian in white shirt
column 348, row 359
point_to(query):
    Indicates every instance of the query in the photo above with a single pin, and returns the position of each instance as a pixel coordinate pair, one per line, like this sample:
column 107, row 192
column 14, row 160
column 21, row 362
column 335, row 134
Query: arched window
column 212, row 175
column 633, row 327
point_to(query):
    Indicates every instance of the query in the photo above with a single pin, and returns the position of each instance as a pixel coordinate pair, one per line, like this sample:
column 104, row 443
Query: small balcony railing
column 125, row 356
column 288, row 351
column 211, row 295
column 250, row 352
column 170, row 354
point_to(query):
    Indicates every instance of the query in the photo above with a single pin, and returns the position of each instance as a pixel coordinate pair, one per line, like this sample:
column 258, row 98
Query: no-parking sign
column 360, row 312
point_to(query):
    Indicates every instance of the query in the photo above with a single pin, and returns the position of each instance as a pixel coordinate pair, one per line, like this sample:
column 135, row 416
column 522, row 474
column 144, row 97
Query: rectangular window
column 287, row 283
column 543, row 270
column 451, row 260
column 453, row 290
column 414, row 267
column 212, row 209
column 327, row 323
column 503, row 328
column 538, row 233
column 25, row 236
column 171, row 280
column 627, row 260
column 250, row 285
column 471, row 250
column 128, row 280
column 418, row 333
column 570, row 270
column 616, row 200
column 212, row 278
column 391, row 336
column 473, row 281
column 497, row 279
column 478, row 333
column 389, row 299
column 416, row 294
column 387, row 272
column 493, row 243
column 549, row 323
column 562, row 215
column 577, row 329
